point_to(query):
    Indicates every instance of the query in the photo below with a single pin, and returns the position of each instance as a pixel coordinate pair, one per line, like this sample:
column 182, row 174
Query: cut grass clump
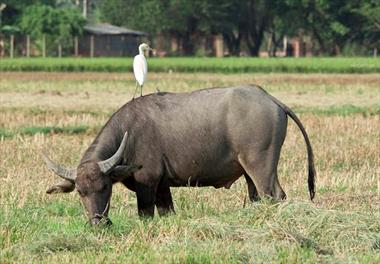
column 62, row 242
column 51, row 245
column 5, row 134
column 30, row 131
column 53, row 130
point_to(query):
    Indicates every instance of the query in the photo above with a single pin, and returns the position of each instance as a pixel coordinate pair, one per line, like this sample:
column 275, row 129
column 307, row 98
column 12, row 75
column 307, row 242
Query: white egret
column 140, row 67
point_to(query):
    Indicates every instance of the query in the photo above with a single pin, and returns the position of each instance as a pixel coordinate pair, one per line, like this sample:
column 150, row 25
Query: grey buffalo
column 209, row 137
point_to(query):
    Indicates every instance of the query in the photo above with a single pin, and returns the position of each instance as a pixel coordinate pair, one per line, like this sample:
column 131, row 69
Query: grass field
column 62, row 112
column 187, row 64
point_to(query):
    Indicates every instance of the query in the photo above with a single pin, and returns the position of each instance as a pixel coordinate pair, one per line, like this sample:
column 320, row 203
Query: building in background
column 105, row 40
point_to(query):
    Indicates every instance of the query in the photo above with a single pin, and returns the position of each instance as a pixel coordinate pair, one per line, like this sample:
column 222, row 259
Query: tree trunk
column 275, row 43
column 254, row 41
column 187, row 44
column 258, row 20
column 189, row 37
column 322, row 45
column 233, row 43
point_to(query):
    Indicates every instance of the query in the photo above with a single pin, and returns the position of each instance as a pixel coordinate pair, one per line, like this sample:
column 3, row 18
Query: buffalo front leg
column 146, row 198
column 164, row 201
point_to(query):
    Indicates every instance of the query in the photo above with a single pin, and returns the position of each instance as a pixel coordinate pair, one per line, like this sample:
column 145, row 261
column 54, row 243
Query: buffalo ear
column 120, row 173
column 61, row 187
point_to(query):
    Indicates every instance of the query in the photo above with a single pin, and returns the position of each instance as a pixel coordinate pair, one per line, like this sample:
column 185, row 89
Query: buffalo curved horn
column 67, row 174
column 106, row 165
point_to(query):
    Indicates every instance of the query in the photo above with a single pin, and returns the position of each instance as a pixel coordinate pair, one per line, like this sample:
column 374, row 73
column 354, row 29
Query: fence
column 24, row 46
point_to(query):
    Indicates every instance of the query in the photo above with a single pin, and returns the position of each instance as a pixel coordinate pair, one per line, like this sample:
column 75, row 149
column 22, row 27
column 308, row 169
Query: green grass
column 52, row 112
column 290, row 232
column 220, row 65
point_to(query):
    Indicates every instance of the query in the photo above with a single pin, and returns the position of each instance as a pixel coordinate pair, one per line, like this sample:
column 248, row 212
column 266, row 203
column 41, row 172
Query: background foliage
column 334, row 27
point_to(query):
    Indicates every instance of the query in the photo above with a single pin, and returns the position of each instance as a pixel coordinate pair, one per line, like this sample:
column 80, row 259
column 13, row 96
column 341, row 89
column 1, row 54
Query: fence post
column 375, row 52
column 92, row 46
column 11, row 46
column 27, row 46
column 43, row 46
column 285, row 50
column 218, row 45
column 59, row 50
column 76, row 47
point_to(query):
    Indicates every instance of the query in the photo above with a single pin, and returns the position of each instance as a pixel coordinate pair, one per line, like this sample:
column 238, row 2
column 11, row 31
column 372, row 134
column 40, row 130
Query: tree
column 330, row 24
column 185, row 20
column 143, row 15
column 179, row 18
column 370, row 33
column 14, row 9
column 58, row 24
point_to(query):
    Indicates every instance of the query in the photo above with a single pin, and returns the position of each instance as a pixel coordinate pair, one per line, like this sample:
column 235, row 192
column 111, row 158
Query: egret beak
column 148, row 49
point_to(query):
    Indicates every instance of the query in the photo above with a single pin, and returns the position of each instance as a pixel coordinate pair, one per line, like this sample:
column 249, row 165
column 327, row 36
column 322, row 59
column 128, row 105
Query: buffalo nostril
column 95, row 221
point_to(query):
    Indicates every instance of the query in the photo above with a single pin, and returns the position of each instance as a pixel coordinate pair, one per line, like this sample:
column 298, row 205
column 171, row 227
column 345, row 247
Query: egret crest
column 140, row 67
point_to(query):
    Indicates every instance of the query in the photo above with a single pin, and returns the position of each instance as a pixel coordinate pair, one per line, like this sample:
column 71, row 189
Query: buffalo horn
column 106, row 165
column 67, row 174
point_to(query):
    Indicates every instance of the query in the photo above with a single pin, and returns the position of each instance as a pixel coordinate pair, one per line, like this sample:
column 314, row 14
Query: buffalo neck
column 107, row 141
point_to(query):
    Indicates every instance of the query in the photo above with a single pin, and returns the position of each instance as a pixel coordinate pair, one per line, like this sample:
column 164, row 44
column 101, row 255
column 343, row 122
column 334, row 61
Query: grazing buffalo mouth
column 97, row 220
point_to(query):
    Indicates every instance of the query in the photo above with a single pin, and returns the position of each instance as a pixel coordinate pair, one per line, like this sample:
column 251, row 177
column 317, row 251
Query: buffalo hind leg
column 252, row 191
column 164, row 201
column 263, row 173
column 278, row 191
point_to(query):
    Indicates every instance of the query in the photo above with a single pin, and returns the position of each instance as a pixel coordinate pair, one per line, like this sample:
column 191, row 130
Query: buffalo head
column 93, row 180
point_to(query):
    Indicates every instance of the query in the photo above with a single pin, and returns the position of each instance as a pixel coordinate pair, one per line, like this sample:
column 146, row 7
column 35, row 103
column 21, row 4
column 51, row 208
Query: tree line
column 331, row 25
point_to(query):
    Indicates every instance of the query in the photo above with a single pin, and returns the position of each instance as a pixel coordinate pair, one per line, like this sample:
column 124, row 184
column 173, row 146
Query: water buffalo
column 209, row 137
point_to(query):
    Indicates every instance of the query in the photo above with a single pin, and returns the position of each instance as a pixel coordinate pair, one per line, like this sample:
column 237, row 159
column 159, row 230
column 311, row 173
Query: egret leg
column 135, row 91
column 141, row 90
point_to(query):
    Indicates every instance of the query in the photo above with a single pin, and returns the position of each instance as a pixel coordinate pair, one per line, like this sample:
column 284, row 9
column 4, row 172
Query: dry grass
column 211, row 226
column 109, row 91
